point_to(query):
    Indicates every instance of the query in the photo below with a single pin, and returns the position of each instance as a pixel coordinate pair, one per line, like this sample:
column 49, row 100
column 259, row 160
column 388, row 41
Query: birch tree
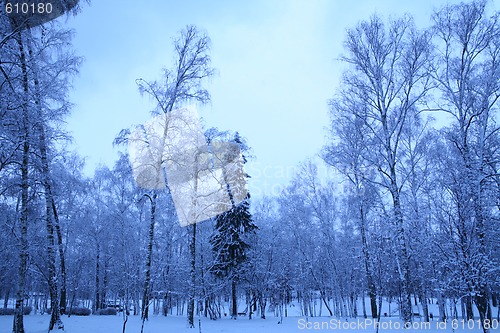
column 416, row 170
column 51, row 81
column 348, row 156
column 37, row 73
column 386, row 81
column 179, row 85
column 467, row 75
column 23, row 221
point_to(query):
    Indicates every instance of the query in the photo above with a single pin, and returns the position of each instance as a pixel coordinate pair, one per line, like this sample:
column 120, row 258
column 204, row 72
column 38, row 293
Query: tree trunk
column 234, row 300
column 363, row 305
column 425, row 305
column 442, row 308
column 136, row 301
column 97, row 300
column 372, row 291
column 262, row 305
column 6, row 299
column 483, row 308
column 325, row 301
column 380, row 311
column 149, row 258
column 18, row 325
column 402, row 257
column 354, row 302
column 482, row 295
column 469, row 313
column 55, row 319
column 63, row 301
column 192, row 287
column 105, row 284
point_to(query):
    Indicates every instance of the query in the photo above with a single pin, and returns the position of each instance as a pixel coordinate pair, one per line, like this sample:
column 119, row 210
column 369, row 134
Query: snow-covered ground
column 160, row 324
column 36, row 323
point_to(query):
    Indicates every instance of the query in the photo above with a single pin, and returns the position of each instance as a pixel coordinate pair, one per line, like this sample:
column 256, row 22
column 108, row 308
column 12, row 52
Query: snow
column 294, row 322
column 157, row 324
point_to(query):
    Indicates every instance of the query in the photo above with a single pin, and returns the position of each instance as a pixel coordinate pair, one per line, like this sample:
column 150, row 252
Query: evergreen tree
column 228, row 242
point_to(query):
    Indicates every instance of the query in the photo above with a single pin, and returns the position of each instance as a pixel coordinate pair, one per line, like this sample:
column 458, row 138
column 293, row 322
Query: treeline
column 423, row 192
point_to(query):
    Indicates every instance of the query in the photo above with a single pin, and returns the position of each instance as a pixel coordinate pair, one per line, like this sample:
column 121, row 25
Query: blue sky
column 276, row 63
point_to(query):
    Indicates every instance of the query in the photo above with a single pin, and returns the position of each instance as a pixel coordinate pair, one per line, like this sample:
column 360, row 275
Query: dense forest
column 409, row 211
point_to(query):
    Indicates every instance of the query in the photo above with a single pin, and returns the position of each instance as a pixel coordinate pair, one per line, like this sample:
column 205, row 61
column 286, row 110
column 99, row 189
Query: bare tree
column 58, row 74
column 179, row 85
column 39, row 79
column 469, row 84
column 23, row 239
column 387, row 79
column 348, row 156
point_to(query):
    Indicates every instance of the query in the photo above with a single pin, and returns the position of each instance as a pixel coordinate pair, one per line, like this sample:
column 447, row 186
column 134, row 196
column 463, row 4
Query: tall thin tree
column 180, row 84
column 387, row 80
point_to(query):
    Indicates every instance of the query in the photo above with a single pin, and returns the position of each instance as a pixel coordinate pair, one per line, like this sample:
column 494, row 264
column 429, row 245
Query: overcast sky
column 276, row 63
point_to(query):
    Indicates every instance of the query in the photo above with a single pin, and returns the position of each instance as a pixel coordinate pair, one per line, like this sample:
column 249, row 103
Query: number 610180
column 28, row 8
